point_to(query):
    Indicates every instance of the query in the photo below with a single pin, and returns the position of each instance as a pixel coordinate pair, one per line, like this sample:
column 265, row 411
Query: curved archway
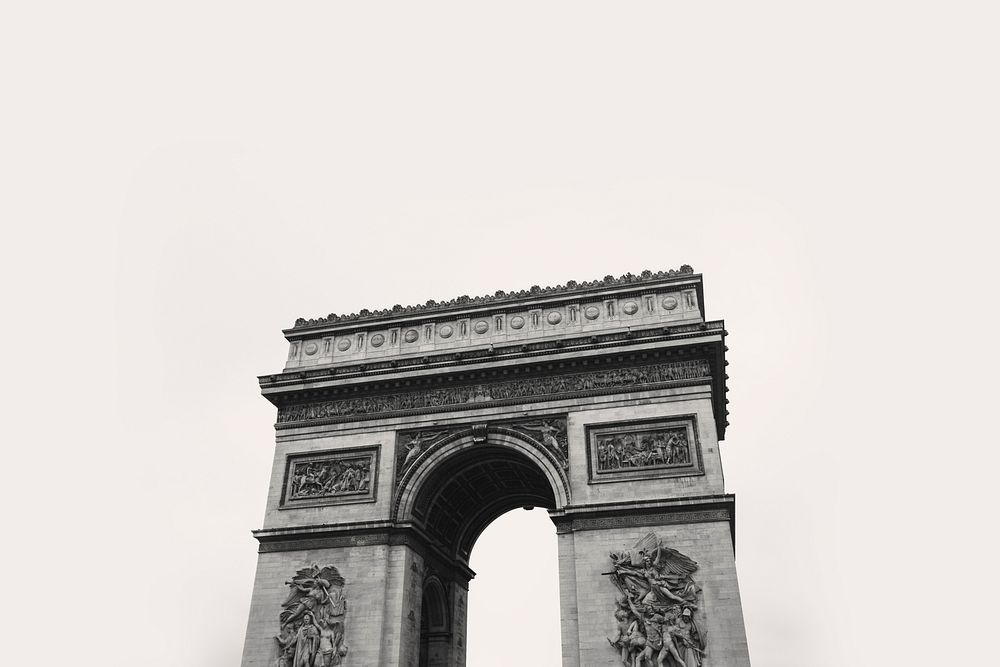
column 435, row 624
column 456, row 488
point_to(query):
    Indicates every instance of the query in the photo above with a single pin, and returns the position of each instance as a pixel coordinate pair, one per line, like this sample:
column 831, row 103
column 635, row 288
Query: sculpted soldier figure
column 636, row 642
column 330, row 651
column 286, row 646
column 306, row 643
column 621, row 635
column 658, row 641
column 688, row 639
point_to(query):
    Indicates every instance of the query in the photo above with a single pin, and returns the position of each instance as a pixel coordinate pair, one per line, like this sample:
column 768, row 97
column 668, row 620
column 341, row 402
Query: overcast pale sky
column 179, row 181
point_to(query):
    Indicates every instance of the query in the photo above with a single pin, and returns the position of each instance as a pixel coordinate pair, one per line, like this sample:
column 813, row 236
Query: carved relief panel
column 312, row 620
column 657, row 616
column 645, row 449
column 330, row 477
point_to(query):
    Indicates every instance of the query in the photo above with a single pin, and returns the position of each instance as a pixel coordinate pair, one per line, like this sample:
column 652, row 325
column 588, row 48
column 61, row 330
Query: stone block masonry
column 401, row 434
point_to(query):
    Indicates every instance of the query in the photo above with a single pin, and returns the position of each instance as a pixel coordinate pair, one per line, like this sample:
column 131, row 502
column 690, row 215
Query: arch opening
column 435, row 635
column 464, row 493
column 515, row 594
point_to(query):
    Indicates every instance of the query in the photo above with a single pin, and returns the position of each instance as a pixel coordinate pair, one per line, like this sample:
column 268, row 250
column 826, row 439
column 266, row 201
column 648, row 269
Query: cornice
column 498, row 298
column 363, row 534
column 299, row 379
column 316, row 387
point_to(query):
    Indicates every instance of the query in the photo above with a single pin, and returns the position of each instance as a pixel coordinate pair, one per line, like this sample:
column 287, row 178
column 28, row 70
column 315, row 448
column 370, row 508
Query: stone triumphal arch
column 401, row 434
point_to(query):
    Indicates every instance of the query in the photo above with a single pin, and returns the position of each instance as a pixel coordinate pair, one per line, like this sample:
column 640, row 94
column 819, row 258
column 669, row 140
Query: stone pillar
column 403, row 592
column 568, row 606
column 590, row 598
column 368, row 589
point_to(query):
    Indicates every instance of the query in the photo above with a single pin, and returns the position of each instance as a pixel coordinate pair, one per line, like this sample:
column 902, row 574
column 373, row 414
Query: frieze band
column 526, row 389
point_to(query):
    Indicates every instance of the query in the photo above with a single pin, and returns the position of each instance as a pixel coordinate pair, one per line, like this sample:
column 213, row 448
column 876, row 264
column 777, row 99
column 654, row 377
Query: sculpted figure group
column 516, row 390
column 642, row 450
column 656, row 607
column 330, row 478
column 312, row 620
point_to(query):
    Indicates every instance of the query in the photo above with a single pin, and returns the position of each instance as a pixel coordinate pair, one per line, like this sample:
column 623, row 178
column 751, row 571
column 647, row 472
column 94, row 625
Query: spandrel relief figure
column 656, row 607
column 312, row 619
column 553, row 435
column 416, row 445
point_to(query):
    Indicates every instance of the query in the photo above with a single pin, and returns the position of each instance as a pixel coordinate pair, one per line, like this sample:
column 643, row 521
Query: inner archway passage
column 466, row 491
column 514, row 599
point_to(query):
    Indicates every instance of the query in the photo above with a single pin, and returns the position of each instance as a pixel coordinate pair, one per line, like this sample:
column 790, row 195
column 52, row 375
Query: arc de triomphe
column 401, row 434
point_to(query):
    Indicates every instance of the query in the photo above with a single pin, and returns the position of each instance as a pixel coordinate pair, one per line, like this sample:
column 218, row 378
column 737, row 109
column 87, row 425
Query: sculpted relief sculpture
column 513, row 391
column 315, row 479
column 552, row 434
column 657, row 606
column 644, row 449
column 330, row 477
column 312, row 620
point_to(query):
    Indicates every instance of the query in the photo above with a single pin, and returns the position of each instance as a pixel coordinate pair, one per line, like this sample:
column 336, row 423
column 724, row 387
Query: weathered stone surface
column 671, row 299
column 391, row 459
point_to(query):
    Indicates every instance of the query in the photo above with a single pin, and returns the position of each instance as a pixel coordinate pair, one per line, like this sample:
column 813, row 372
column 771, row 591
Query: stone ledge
column 361, row 534
column 694, row 509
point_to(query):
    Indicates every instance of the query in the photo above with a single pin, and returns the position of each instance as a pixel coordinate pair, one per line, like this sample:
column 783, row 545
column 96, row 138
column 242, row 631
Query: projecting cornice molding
column 497, row 298
column 466, row 327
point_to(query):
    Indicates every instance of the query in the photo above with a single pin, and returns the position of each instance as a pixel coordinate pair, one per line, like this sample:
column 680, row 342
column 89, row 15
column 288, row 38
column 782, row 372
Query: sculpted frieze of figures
column 643, row 449
column 657, row 617
column 311, row 621
column 524, row 389
column 330, row 477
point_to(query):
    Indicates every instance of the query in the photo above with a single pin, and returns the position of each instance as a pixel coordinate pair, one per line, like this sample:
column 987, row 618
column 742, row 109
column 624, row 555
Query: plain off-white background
column 179, row 181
